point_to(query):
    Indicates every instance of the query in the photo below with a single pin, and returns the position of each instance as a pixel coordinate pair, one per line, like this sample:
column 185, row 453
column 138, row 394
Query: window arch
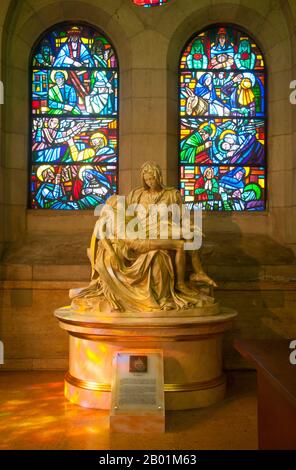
column 74, row 118
column 222, row 121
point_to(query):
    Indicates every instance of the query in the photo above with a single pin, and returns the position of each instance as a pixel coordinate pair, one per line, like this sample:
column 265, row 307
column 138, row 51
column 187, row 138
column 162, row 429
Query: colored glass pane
column 226, row 188
column 222, row 141
column 84, row 92
column 222, row 47
column 74, row 119
column 221, row 93
column 74, row 46
column 222, row 120
column 150, row 3
column 64, row 140
column 69, row 187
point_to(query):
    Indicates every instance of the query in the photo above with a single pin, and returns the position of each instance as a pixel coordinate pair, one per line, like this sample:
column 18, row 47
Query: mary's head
column 205, row 80
column 151, row 176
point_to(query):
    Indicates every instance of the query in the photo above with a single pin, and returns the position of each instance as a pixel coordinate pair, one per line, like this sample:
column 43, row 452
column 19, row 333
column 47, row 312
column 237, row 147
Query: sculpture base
column 192, row 349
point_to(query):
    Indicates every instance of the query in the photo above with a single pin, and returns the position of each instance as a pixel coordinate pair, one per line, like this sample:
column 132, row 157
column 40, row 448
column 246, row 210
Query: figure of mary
column 226, row 147
column 206, row 90
column 231, row 188
column 137, row 274
column 92, row 187
column 233, row 181
column 250, row 150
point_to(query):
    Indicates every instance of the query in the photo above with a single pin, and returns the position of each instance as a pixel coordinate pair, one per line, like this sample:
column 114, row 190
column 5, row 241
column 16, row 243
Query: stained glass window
column 74, row 119
column 222, row 121
column 149, row 3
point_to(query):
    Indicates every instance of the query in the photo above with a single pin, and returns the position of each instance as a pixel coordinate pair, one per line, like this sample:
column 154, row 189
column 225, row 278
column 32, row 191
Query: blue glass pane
column 70, row 140
column 225, row 188
column 69, row 187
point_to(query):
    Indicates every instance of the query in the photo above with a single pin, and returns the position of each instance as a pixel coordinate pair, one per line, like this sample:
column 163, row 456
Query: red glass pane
column 150, row 3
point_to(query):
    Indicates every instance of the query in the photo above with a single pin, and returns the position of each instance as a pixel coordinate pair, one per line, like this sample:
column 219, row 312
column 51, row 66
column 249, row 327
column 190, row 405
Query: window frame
column 264, row 118
column 68, row 24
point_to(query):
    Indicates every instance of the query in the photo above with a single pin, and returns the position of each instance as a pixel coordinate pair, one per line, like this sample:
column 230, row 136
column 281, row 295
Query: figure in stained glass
column 245, row 58
column 233, row 181
column 74, row 53
column 74, row 149
column 62, row 98
column 45, row 57
column 101, row 55
column 197, row 58
column 204, row 99
column 236, row 143
column 45, row 140
column 251, row 197
column 99, row 151
column 194, row 147
column 72, row 187
column 50, row 140
column 234, row 188
column 242, row 98
column 222, row 93
column 50, row 189
column 226, row 142
column 99, row 100
column 95, row 186
column 222, row 121
column 207, row 186
column 220, row 79
column 222, row 52
column 231, row 188
column 236, row 194
column 206, row 90
column 104, row 153
column 50, row 193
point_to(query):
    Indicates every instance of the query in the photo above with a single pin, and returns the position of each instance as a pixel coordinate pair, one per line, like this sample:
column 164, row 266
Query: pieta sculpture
column 140, row 272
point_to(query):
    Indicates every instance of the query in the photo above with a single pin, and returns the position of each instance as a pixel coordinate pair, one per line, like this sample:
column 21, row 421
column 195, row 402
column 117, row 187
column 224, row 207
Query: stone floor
column 35, row 415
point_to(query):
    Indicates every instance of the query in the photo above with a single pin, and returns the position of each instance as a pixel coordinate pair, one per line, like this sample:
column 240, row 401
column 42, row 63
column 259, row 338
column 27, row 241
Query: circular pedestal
column 192, row 350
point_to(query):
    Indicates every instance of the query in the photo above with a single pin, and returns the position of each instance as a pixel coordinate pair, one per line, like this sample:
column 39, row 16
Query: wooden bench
column 276, row 390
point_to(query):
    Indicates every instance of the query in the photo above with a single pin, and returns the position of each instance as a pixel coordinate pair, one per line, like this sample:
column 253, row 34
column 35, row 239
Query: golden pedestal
column 191, row 345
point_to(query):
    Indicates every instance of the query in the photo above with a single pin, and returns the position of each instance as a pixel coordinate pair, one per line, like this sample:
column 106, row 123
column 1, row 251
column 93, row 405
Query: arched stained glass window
column 222, row 121
column 74, row 119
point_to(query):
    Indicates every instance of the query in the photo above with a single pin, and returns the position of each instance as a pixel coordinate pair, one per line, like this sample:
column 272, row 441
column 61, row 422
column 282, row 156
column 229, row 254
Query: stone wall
column 45, row 251
column 3, row 11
